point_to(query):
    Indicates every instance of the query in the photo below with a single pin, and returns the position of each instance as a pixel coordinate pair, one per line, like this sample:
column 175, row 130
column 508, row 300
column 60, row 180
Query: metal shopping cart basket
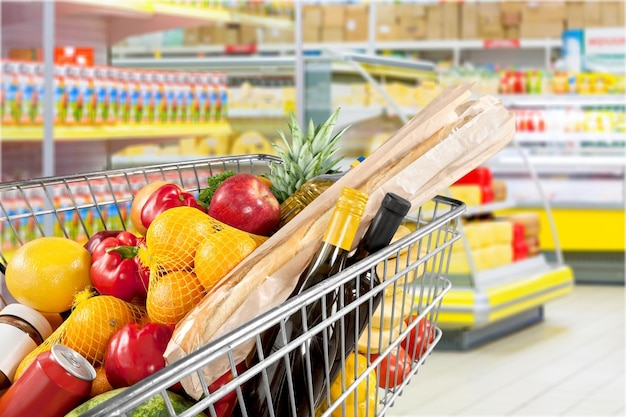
column 401, row 312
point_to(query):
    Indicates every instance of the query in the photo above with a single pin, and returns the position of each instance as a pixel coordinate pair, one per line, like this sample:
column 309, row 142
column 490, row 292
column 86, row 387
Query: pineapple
column 307, row 156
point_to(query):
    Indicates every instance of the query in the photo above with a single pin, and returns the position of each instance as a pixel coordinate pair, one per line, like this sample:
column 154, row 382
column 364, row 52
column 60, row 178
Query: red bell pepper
column 420, row 337
column 166, row 197
column 116, row 269
column 135, row 352
column 394, row 368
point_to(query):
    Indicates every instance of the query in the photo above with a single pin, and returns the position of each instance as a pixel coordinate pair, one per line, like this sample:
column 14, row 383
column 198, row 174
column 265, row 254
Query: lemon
column 45, row 273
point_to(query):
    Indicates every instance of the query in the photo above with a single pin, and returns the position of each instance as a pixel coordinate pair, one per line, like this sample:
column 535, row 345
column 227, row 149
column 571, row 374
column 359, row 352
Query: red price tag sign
column 240, row 49
column 501, row 43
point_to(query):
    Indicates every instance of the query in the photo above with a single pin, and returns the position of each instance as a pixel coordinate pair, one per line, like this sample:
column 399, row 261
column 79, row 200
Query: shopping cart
column 414, row 270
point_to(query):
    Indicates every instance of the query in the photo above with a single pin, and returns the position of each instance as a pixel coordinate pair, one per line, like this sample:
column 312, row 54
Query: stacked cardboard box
column 543, row 20
column 356, row 23
column 312, row 20
column 333, row 22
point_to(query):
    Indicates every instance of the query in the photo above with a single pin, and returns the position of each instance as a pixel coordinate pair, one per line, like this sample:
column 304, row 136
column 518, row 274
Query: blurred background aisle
column 572, row 364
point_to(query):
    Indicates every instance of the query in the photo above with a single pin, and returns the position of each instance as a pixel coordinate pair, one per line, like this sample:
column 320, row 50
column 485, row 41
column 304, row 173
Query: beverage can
column 61, row 376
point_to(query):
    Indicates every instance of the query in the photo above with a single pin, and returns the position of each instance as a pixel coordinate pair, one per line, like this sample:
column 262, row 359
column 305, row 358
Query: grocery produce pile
column 130, row 302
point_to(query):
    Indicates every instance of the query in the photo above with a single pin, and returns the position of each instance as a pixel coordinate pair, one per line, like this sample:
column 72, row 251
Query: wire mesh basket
column 361, row 369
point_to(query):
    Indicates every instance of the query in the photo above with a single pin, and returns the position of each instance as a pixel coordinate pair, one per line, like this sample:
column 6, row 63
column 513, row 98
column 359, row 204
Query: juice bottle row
column 559, row 82
column 534, row 81
column 571, row 120
column 107, row 95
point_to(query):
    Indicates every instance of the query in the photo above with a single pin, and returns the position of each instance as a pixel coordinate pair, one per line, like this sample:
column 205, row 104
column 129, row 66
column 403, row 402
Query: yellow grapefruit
column 45, row 273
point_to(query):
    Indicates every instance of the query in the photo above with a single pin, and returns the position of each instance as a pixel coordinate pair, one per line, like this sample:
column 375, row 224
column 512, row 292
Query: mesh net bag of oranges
column 187, row 252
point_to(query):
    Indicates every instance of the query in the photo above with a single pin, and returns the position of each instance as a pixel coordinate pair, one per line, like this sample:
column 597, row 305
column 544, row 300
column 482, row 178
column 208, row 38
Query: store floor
column 571, row 364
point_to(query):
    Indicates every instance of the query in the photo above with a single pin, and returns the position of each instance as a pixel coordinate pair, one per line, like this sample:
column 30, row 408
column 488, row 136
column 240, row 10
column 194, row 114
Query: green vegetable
column 214, row 181
column 154, row 407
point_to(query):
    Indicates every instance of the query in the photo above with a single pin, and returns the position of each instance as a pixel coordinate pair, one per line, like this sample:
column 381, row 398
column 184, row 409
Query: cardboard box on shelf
column 312, row 16
column 434, row 29
column 311, row 34
column 450, row 21
column 592, row 13
column 469, row 21
column 191, row 36
column 511, row 32
column 386, row 32
column 535, row 11
column 334, row 16
column 612, row 13
column 412, row 28
column 248, row 34
column 408, row 9
column 275, row 35
column 491, row 31
column 541, row 30
column 386, row 14
column 489, row 11
column 206, row 35
column 357, row 23
column 332, row 34
column 575, row 18
column 231, row 34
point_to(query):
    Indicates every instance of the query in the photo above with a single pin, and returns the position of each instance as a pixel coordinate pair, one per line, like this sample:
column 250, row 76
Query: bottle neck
column 342, row 228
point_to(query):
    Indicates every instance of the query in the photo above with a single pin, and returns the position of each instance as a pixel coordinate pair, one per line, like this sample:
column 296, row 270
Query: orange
column 173, row 237
column 46, row 272
column 173, row 295
column 219, row 253
column 92, row 323
column 101, row 383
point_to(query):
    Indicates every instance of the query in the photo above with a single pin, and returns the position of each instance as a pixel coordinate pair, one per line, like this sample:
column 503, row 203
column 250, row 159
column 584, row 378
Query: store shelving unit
column 98, row 25
column 584, row 175
column 115, row 132
column 545, row 47
column 485, row 305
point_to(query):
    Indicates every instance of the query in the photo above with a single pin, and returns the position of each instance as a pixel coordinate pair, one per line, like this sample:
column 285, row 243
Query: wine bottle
column 392, row 211
column 308, row 359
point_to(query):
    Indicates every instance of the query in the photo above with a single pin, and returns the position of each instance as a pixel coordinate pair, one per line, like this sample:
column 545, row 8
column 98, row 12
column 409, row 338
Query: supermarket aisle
column 571, row 364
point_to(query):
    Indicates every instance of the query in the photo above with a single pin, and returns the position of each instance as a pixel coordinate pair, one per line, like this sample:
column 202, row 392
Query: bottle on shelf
column 384, row 225
column 330, row 258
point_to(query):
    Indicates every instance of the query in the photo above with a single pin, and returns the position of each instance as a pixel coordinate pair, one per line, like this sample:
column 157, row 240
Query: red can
column 57, row 381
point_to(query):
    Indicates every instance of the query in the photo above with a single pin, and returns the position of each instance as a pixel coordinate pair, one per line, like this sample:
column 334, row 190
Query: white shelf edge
column 432, row 45
column 569, row 136
column 235, row 113
column 617, row 161
column 543, row 100
column 524, row 269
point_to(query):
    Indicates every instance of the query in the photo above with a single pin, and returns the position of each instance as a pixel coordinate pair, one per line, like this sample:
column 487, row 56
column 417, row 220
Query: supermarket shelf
column 288, row 48
column 561, row 100
column 134, row 17
column 470, row 44
column 530, row 285
column 35, row 133
column 234, row 113
column 570, row 136
column 617, row 160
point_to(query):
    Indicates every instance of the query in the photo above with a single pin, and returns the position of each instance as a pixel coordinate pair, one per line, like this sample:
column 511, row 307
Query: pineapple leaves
column 305, row 156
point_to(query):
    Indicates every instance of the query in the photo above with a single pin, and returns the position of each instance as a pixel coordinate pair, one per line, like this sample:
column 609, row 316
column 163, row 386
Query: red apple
column 245, row 202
